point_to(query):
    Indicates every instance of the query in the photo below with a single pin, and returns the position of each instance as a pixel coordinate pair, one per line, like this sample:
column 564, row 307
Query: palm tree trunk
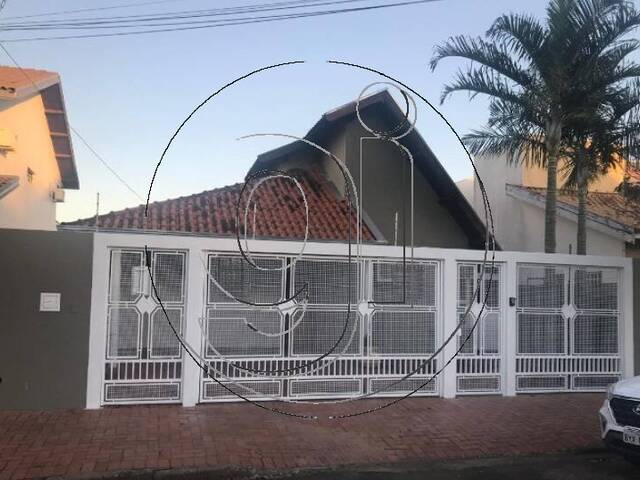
column 582, row 205
column 553, row 136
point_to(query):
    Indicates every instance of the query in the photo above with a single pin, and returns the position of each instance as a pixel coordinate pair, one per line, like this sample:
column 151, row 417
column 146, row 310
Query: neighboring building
column 36, row 157
column 516, row 195
column 442, row 216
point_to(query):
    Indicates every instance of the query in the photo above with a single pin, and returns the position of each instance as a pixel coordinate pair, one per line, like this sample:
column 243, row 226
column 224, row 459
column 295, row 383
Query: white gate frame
column 448, row 259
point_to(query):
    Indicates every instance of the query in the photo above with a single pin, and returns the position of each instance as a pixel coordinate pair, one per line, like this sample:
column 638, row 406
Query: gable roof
column 424, row 159
column 17, row 84
column 280, row 212
column 608, row 209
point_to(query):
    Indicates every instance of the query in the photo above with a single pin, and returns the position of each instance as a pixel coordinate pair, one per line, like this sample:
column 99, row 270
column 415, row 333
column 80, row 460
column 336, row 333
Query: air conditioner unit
column 58, row 195
column 7, row 140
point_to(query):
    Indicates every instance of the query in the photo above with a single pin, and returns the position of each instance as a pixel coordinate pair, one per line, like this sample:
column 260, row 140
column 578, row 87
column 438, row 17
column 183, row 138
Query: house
column 442, row 216
column 36, row 156
column 517, row 192
column 109, row 300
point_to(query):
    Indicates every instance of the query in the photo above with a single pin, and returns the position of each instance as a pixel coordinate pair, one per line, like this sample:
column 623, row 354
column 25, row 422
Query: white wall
column 29, row 206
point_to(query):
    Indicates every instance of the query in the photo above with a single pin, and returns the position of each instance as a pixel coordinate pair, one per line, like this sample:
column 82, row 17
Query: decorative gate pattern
column 143, row 360
column 372, row 347
column 563, row 331
column 567, row 328
column 478, row 365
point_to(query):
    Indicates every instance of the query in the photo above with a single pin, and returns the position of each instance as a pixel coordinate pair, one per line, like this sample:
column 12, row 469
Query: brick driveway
column 37, row 444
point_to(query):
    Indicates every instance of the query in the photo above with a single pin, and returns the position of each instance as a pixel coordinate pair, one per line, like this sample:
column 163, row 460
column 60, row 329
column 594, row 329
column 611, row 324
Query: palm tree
column 599, row 144
column 539, row 72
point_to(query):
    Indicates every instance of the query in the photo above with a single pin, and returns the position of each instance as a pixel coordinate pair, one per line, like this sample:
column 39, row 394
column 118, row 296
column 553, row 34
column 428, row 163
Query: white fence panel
column 550, row 322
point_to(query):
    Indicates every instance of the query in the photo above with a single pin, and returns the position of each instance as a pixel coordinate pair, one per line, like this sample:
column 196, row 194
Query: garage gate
column 546, row 328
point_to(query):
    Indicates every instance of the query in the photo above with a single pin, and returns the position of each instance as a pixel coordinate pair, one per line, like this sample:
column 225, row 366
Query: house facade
column 417, row 188
column 516, row 194
column 165, row 309
column 36, row 156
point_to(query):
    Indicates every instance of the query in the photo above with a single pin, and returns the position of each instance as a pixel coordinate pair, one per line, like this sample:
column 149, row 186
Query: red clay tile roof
column 634, row 175
column 12, row 80
column 280, row 212
column 609, row 205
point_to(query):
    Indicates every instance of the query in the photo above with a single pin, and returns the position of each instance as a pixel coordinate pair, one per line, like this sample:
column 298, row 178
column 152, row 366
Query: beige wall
column 29, row 206
column 537, row 177
column 518, row 225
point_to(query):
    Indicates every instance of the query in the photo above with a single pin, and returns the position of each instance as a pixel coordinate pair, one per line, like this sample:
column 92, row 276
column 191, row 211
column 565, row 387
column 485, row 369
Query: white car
column 620, row 418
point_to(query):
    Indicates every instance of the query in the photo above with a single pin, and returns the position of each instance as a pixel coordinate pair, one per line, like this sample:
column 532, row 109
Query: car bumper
column 611, row 433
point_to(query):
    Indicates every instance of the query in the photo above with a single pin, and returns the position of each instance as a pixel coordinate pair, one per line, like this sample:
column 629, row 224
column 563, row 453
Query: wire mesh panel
column 329, row 281
column 123, row 332
column 541, row 333
column 595, row 289
column 320, row 330
column 255, row 390
column 542, row 286
column 396, row 386
column 567, row 330
column 320, row 388
column 245, row 282
column 404, row 283
column 143, row 361
column 229, row 332
column 125, row 282
column 595, row 334
column 164, row 343
column 168, row 276
column 403, row 333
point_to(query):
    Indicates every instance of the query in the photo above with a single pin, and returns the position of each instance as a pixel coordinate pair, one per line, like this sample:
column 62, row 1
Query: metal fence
column 528, row 322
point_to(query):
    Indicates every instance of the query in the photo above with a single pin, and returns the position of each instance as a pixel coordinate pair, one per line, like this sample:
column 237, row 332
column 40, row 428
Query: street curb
column 243, row 473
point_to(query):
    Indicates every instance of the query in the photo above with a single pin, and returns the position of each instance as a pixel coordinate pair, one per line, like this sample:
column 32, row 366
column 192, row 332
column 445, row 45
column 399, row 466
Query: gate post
column 97, row 321
column 450, row 321
column 196, row 282
column 627, row 317
column 510, row 329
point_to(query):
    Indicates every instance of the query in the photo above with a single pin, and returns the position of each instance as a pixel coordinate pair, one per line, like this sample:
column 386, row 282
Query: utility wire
column 80, row 137
column 168, row 21
column 80, row 10
column 166, row 16
column 214, row 24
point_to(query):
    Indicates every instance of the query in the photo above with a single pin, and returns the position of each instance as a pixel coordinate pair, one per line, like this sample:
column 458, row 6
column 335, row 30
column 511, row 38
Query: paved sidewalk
column 71, row 442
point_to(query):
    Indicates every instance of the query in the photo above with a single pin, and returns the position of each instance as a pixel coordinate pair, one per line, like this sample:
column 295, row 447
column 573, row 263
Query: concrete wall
column 382, row 188
column 43, row 355
column 636, row 314
column 519, row 226
column 29, row 206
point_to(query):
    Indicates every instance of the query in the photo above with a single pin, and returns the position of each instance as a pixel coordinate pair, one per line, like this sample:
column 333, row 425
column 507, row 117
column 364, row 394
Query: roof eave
column 596, row 222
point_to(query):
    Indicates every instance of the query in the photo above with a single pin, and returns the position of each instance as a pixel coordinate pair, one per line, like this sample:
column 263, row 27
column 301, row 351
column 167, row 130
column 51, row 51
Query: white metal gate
column 143, row 361
column 480, row 305
column 550, row 323
column 567, row 328
column 384, row 339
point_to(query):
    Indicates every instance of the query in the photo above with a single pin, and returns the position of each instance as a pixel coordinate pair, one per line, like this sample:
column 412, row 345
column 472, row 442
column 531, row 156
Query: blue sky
column 127, row 95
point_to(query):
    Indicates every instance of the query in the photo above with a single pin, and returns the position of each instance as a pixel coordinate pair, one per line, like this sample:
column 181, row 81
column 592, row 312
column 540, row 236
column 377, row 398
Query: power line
column 183, row 14
column 226, row 22
column 168, row 21
column 94, row 9
column 82, row 139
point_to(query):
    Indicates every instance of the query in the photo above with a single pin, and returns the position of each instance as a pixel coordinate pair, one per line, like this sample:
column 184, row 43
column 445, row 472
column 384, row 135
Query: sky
column 127, row 95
